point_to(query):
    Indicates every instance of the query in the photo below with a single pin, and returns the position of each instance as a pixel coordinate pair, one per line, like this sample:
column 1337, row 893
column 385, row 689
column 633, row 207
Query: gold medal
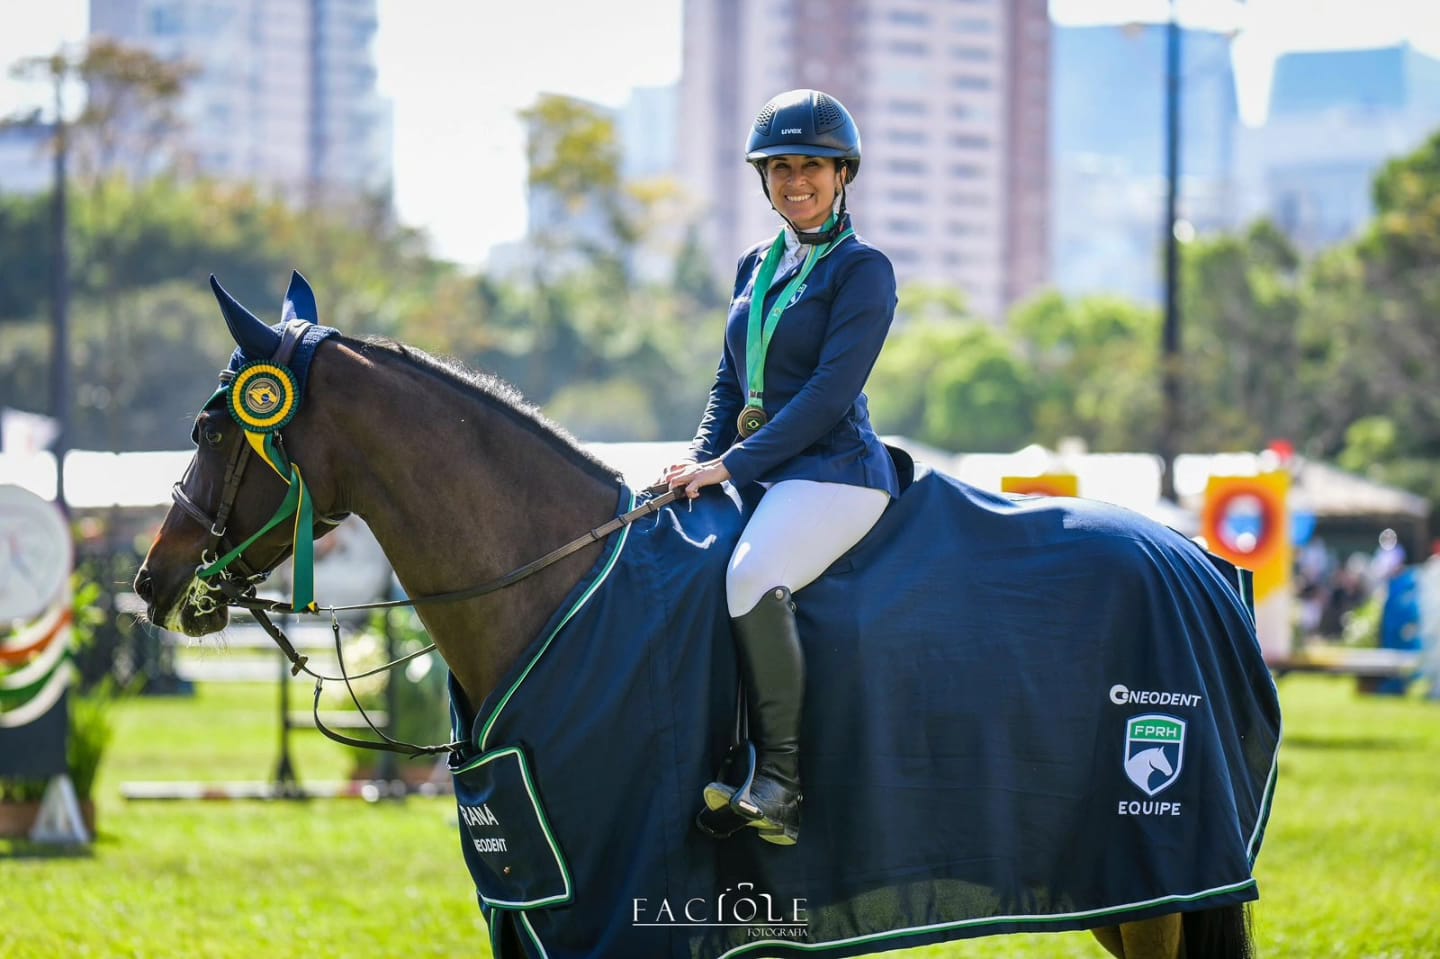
column 750, row 420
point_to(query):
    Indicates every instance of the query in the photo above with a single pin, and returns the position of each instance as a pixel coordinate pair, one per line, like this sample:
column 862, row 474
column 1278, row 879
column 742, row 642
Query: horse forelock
column 493, row 392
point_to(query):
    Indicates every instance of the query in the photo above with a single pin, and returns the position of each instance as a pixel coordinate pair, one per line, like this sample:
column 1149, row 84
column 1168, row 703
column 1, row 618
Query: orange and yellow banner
column 1246, row 520
column 1048, row 484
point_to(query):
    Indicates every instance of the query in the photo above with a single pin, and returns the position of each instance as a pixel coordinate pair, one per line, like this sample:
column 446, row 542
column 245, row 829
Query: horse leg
column 1219, row 933
column 1109, row 937
column 1160, row 938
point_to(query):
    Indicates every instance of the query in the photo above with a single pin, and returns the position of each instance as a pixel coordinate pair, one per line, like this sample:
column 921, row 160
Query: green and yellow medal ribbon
column 762, row 325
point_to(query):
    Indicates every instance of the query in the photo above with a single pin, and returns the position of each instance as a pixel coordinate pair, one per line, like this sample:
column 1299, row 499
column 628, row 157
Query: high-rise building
column 646, row 128
column 1108, row 151
column 1335, row 117
column 952, row 100
column 26, row 166
column 286, row 95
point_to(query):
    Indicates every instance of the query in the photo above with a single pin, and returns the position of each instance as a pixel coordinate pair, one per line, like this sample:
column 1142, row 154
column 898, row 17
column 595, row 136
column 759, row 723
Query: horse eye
column 213, row 436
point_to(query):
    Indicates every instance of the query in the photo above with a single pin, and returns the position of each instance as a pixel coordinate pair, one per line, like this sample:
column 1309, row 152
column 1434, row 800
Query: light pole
column 60, row 290
column 1170, row 362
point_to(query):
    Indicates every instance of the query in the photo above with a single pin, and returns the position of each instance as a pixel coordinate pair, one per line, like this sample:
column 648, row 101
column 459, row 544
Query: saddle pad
column 1021, row 715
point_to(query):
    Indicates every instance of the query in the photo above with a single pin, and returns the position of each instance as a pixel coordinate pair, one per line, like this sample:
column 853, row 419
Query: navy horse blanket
column 1021, row 715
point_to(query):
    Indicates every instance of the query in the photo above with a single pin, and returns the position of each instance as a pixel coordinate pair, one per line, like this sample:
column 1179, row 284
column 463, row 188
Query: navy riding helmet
column 806, row 123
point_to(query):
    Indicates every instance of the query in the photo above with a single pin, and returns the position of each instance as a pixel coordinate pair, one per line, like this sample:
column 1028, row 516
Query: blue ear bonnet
column 299, row 360
column 257, row 342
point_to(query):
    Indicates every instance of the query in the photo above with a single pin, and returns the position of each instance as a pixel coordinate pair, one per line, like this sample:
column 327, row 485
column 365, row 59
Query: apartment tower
column 286, row 95
column 952, row 99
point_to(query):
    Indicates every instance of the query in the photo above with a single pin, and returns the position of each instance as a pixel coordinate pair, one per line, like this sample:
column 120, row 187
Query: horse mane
column 495, row 393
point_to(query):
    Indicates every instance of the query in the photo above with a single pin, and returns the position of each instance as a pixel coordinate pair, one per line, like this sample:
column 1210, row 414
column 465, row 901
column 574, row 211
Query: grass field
column 1350, row 868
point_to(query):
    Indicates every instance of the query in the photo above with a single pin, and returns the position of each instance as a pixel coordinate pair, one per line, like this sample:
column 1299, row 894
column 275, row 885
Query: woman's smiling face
column 803, row 188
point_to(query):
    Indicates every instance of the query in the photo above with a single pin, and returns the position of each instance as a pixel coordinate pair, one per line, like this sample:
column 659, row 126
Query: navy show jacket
column 822, row 352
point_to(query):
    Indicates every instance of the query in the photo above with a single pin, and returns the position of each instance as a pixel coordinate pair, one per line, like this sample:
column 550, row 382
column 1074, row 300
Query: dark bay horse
column 462, row 484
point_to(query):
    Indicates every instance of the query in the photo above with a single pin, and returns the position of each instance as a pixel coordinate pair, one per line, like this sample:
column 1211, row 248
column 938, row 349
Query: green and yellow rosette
column 263, row 397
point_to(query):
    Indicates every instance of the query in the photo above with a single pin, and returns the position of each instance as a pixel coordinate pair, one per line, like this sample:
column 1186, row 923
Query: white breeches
column 797, row 531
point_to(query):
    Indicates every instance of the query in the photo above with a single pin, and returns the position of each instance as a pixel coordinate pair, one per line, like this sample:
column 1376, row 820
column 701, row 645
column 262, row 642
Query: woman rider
column 810, row 311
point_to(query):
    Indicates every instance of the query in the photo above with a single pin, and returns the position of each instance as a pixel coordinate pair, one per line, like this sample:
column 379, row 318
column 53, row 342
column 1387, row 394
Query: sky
column 457, row 71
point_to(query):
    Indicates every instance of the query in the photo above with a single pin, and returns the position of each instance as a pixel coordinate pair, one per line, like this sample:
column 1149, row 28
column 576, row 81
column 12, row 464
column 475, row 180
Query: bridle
column 216, row 524
column 220, row 561
column 236, row 581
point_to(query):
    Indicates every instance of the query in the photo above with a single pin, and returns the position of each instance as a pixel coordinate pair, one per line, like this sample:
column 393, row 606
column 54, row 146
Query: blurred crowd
column 1329, row 590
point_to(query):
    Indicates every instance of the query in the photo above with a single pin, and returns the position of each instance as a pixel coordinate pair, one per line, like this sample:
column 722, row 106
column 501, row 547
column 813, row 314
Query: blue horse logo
column 1154, row 751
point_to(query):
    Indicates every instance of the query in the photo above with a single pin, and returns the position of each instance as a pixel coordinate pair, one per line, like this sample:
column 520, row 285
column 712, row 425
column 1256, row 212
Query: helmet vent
column 766, row 117
column 827, row 115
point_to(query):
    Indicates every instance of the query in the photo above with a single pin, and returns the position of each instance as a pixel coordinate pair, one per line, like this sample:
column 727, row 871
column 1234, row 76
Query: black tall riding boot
column 772, row 667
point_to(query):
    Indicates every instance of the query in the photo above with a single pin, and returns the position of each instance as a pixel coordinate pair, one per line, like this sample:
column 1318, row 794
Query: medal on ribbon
column 761, row 327
column 750, row 420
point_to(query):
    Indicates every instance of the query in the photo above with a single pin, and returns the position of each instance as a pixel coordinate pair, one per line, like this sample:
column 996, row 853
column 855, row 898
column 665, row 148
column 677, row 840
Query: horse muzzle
column 192, row 607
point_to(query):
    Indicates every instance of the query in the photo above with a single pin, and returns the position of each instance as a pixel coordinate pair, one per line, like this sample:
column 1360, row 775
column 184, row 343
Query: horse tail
column 1219, row 933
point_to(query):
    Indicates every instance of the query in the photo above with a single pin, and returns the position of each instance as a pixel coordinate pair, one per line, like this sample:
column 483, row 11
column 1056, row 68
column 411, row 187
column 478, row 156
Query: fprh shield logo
column 1154, row 751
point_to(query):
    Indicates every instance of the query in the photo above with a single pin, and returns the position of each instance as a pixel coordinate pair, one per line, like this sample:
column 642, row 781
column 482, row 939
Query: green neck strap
column 762, row 326
column 297, row 504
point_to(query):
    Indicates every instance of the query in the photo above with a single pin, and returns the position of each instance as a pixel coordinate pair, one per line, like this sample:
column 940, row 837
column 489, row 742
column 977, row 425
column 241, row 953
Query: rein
column 243, row 597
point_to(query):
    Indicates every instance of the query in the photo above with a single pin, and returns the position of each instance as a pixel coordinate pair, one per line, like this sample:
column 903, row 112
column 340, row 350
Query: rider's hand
column 693, row 476
column 672, row 470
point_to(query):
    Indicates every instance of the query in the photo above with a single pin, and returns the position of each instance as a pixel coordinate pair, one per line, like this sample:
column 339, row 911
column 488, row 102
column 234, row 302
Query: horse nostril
column 144, row 585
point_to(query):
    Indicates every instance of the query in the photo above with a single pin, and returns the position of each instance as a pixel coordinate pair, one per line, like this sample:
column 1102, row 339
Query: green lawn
column 1351, row 865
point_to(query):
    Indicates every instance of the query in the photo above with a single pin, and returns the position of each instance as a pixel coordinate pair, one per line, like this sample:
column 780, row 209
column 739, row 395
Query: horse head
column 225, row 532
column 457, row 479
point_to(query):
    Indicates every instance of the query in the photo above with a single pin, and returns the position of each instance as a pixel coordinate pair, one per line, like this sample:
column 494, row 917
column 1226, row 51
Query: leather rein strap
column 244, row 598
column 509, row 579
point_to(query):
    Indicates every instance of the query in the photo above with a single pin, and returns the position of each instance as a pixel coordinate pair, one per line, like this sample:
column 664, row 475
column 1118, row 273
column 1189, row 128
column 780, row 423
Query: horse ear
column 299, row 301
column 250, row 334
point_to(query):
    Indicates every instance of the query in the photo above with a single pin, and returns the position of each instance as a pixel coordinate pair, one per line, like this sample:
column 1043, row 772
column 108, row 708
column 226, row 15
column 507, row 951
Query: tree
column 1340, row 374
column 1242, row 320
column 1094, row 363
column 126, row 129
column 980, row 396
column 25, row 232
column 130, row 121
column 949, row 379
column 1369, row 379
column 693, row 281
column 1400, row 257
column 136, row 395
column 573, row 153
